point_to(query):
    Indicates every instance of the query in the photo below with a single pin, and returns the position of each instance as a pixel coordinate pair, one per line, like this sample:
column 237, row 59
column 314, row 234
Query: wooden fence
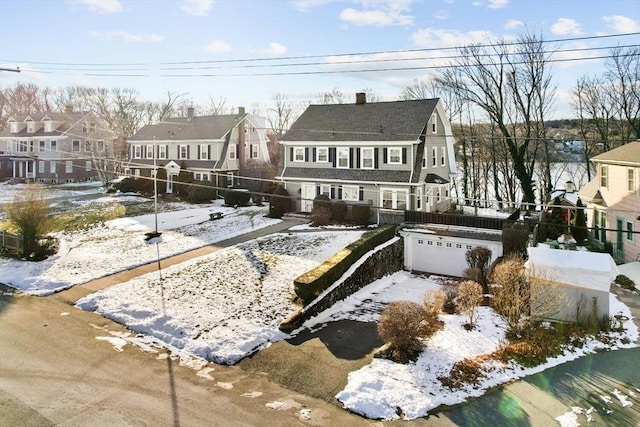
column 10, row 241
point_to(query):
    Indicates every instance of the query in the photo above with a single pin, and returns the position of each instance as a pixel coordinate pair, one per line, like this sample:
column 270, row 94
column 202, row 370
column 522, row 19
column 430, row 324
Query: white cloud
column 128, row 37
column 621, row 24
column 513, row 24
column 101, row 6
column 275, row 49
column 217, row 46
column 441, row 14
column 304, row 5
column 498, row 4
column 196, row 7
column 566, row 27
column 379, row 18
column 431, row 37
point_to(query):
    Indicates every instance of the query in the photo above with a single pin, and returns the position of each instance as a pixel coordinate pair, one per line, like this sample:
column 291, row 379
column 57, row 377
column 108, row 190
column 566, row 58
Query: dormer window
column 31, row 126
column 13, row 126
column 48, row 125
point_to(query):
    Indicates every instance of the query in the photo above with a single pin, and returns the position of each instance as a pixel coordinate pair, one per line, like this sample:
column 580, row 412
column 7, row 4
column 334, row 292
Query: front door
column 170, row 178
column 307, row 194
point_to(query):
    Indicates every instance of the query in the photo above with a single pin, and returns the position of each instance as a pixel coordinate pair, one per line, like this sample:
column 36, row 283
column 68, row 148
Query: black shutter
column 361, row 195
column 250, row 151
column 332, row 156
column 404, row 156
column 291, row 154
column 384, row 156
column 375, row 158
column 333, row 192
column 358, row 160
column 144, row 151
column 340, row 192
column 199, row 153
column 317, row 190
column 306, row 154
column 188, row 152
column 351, row 156
column 209, row 152
column 314, row 155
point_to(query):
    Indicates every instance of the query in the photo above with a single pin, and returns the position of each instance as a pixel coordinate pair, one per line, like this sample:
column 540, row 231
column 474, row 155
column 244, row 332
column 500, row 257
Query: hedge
column 311, row 284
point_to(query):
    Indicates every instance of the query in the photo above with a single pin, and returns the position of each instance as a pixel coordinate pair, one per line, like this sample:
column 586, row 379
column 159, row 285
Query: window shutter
column 199, row 153
column 384, row 156
column 291, row 154
column 340, row 192
column 317, row 190
column 404, row 156
column 306, row 154
column 314, row 155
column 188, row 152
column 361, row 195
column 332, row 156
column 375, row 158
column 251, row 151
column 351, row 156
column 333, row 192
column 209, row 152
column 358, row 160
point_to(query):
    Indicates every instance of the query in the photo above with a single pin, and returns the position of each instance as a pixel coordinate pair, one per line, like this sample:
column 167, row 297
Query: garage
column 441, row 249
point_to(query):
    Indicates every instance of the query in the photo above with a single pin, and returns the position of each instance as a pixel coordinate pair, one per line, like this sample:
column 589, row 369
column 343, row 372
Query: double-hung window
column 366, row 158
column 149, row 151
column 75, row 146
column 604, row 176
column 322, row 154
column 350, row 192
column 631, row 179
column 183, row 152
column 162, row 152
column 443, row 156
column 137, row 151
column 298, row 154
column 343, row 157
column 395, row 155
column 204, row 152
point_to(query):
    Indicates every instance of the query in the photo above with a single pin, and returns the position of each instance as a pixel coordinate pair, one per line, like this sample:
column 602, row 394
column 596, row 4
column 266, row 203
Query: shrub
column 237, row 197
column 515, row 238
column 469, row 298
column 511, row 291
column 321, row 200
column 28, row 213
column 320, row 216
column 465, row 371
column 433, row 302
column 279, row 202
column 478, row 260
column 201, row 194
column 625, row 282
column 360, row 214
column 450, row 290
column 130, row 185
column 403, row 325
column 338, row 211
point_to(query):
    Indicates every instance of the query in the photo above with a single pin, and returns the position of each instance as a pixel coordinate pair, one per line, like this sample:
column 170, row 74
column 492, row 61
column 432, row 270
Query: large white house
column 393, row 156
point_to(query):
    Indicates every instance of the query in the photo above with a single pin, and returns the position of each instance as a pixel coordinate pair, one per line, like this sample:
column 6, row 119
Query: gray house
column 212, row 148
column 393, row 156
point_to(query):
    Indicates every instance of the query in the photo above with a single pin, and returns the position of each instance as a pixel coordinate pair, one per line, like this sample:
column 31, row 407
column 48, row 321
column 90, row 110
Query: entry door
column 307, row 194
column 170, row 178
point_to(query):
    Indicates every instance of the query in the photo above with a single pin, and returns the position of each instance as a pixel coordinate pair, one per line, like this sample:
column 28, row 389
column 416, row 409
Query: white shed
column 584, row 279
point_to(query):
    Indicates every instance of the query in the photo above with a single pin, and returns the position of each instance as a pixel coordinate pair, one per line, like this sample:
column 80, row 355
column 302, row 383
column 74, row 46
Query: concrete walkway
column 73, row 294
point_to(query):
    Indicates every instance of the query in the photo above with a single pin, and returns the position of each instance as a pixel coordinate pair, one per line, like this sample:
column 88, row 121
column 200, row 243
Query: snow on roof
column 589, row 270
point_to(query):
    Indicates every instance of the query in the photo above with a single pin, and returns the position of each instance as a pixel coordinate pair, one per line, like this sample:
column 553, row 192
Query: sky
column 245, row 52
column 226, row 305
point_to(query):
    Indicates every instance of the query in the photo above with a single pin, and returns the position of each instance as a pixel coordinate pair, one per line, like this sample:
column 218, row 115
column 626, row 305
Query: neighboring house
column 208, row 146
column 613, row 200
column 393, row 156
column 55, row 147
column 579, row 283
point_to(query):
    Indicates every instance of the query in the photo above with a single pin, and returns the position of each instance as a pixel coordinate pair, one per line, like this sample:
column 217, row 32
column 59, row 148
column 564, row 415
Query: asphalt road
column 57, row 369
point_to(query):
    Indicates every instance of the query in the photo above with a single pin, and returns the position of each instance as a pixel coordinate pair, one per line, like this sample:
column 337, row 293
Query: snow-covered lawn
column 228, row 304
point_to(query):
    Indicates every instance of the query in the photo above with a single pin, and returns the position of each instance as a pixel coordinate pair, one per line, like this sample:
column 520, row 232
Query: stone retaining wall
column 385, row 260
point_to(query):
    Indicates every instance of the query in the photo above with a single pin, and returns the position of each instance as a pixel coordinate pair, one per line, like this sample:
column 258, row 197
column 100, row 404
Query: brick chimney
column 361, row 98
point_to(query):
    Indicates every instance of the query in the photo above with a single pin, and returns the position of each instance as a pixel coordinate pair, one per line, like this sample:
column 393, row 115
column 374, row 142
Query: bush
column 321, row 200
column 279, row 202
column 28, row 213
column 465, row 371
column 625, row 282
column 237, row 197
column 450, row 290
column 469, row 298
column 321, row 216
column 360, row 214
column 403, row 325
column 478, row 260
column 130, row 185
column 433, row 302
column 201, row 194
column 511, row 291
column 339, row 211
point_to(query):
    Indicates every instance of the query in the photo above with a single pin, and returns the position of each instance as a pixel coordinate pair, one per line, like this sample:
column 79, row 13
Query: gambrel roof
column 185, row 128
column 378, row 121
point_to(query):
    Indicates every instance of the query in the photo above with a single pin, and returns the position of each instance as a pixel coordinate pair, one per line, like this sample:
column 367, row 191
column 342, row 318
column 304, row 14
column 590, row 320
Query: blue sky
column 137, row 43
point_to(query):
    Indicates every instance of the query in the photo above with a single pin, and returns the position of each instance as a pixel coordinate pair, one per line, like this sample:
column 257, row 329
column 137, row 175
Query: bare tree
column 335, row 96
column 418, row 89
column 469, row 299
column 623, row 80
column 216, row 106
column 513, row 88
column 280, row 115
